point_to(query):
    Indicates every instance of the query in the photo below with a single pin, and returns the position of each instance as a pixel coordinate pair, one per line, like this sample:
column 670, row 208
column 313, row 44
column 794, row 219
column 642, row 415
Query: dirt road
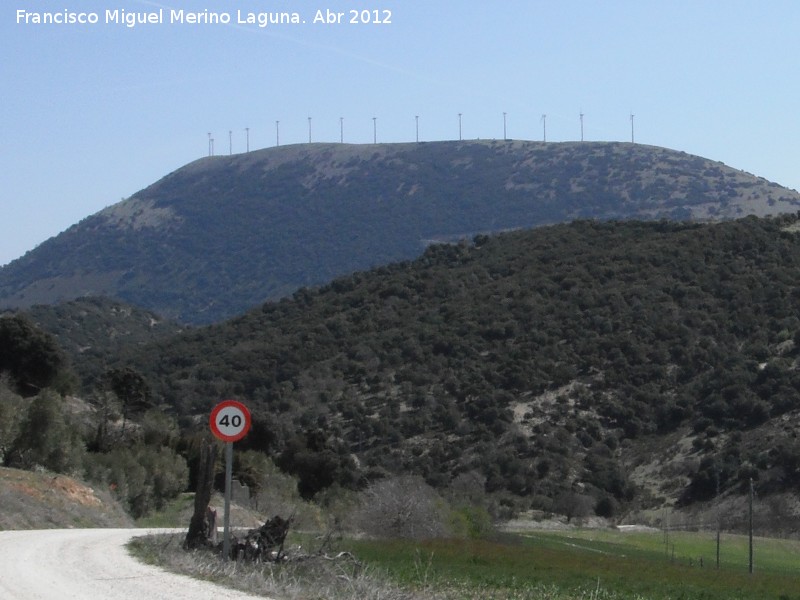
column 90, row 564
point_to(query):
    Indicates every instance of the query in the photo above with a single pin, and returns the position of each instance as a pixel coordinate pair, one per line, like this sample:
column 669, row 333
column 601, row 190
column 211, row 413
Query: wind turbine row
column 375, row 131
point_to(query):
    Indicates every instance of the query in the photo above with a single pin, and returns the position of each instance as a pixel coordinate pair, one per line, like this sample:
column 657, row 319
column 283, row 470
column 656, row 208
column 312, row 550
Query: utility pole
column 719, row 518
column 309, row 130
column 544, row 128
column 230, row 142
column 341, row 130
column 505, row 137
column 374, row 130
column 459, row 127
column 416, row 123
column 581, row 116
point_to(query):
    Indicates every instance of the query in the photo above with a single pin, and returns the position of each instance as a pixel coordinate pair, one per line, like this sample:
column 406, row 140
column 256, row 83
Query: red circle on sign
column 230, row 421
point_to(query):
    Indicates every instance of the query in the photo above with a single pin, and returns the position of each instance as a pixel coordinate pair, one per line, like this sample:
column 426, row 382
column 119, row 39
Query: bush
column 10, row 416
column 142, row 478
column 606, row 507
column 471, row 522
column 402, row 507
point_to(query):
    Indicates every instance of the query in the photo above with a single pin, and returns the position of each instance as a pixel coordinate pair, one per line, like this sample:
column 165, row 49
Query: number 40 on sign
column 230, row 421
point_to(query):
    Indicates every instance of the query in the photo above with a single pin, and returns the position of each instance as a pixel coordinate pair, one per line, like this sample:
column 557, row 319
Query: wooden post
column 750, row 511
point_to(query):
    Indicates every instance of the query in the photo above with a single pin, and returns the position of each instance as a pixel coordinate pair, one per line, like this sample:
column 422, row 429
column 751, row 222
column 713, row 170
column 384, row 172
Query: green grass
column 579, row 563
column 174, row 514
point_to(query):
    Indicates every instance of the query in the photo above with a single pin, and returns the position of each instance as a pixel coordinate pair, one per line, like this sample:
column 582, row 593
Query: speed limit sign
column 230, row 421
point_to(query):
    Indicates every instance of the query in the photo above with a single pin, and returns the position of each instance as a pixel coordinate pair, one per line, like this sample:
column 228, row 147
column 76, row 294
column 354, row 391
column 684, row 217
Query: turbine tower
column 544, row 128
column 581, row 116
column 632, row 115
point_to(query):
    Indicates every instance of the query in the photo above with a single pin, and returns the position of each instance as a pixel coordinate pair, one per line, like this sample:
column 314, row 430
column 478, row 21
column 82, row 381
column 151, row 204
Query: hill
column 629, row 363
column 226, row 233
column 47, row 500
column 94, row 328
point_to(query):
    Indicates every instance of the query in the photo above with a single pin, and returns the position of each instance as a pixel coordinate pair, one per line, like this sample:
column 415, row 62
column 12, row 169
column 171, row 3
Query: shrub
column 142, row 477
column 402, row 507
column 10, row 416
column 470, row 522
column 47, row 439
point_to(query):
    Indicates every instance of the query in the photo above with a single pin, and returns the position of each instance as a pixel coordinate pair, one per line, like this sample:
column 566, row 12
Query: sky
column 94, row 112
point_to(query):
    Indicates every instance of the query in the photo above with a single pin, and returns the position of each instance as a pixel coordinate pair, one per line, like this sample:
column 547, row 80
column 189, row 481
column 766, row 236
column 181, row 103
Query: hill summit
column 225, row 233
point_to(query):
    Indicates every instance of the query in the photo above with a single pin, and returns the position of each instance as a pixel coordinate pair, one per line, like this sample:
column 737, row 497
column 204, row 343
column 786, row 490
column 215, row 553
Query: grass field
column 587, row 564
column 594, row 564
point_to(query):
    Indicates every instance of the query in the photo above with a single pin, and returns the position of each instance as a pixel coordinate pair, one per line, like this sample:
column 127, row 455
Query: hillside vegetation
column 225, row 233
column 92, row 329
column 541, row 367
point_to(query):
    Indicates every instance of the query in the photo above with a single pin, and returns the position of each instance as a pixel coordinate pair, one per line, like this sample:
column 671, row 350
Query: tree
column 132, row 389
column 402, row 507
column 46, row 438
column 202, row 527
column 316, row 464
column 574, row 505
column 30, row 356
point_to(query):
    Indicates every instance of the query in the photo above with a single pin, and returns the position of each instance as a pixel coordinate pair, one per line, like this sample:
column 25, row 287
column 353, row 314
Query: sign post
column 230, row 422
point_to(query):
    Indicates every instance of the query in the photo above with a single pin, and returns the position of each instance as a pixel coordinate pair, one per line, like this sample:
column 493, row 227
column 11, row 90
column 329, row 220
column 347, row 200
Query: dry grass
column 304, row 577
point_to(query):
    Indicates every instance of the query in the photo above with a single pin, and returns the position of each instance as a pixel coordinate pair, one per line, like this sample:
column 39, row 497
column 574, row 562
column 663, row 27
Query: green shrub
column 143, row 478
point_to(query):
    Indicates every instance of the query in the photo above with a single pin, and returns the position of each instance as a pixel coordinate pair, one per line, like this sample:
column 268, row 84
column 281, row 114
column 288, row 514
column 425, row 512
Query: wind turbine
column 544, row 128
column 632, row 115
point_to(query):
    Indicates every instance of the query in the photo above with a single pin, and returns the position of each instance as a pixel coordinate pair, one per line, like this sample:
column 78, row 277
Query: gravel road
column 90, row 564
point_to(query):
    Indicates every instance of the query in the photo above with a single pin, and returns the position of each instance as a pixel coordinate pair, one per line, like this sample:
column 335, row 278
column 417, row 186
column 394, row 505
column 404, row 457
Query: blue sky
column 93, row 113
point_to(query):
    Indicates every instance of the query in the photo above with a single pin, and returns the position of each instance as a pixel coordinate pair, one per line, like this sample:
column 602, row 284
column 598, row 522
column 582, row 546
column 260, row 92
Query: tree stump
column 203, row 525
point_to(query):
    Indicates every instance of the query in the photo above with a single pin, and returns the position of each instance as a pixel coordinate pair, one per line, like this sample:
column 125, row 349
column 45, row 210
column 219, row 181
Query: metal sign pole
column 226, row 540
column 229, row 422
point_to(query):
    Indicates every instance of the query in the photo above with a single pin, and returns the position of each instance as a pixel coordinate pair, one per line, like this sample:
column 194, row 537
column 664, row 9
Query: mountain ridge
column 225, row 233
